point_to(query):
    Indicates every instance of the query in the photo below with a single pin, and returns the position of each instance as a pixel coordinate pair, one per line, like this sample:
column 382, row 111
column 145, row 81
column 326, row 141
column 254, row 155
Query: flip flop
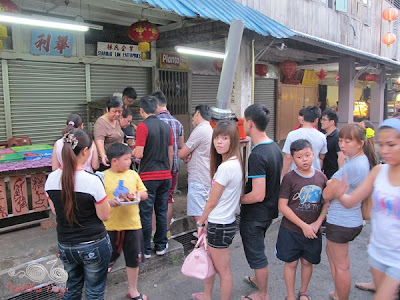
column 304, row 294
column 250, row 282
column 196, row 296
column 245, row 297
column 140, row 297
column 365, row 286
column 332, row 296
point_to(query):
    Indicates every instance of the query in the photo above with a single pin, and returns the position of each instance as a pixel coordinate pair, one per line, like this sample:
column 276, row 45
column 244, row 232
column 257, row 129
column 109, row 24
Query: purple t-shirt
column 304, row 195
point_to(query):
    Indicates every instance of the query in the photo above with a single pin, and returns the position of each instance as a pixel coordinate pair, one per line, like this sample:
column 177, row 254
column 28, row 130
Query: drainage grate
column 185, row 238
column 42, row 292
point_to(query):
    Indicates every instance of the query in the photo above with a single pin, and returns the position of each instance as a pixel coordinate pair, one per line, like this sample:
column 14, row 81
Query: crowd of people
column 318, row 179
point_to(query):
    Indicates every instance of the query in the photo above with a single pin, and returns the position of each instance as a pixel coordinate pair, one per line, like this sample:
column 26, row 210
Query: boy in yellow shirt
column 123, row 186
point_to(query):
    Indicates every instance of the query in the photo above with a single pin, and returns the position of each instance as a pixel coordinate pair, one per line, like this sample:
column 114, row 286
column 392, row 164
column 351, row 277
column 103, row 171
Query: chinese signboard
column 310, row 78
column 113, row 50
column 47, row 42
column 174, row 61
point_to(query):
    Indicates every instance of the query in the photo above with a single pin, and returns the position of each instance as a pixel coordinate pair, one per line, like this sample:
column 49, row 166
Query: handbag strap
column 202, row 239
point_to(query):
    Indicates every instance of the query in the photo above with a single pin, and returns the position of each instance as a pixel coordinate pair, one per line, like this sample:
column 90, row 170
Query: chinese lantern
column 261, row 69
column 218, row 64
column 372, row 77
column 363, row 76
column 321, row 74
column 288, row 67
column 143, row 32
column 398, row 81
column 8, row 7
column 389, row 38
column 390, row 14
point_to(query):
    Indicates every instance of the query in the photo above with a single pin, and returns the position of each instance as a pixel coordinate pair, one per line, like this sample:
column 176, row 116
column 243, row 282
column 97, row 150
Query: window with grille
column 174, row 85
column 396, row 3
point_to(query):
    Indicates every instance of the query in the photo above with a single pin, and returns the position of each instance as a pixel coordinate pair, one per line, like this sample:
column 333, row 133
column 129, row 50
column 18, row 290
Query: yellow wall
column 333, row 95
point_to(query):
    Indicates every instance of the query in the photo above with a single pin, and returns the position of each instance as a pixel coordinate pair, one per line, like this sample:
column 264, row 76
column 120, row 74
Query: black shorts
column 341, row 235
column 220, row 236
column 290, row 246
column 253, row 238
column 131, row 242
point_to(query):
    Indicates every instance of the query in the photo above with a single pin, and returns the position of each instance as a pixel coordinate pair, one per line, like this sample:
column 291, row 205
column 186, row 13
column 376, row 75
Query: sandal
column 250, row 282
column 332, row 296
column 196, row 296
column 304, row 294
column 140, row 297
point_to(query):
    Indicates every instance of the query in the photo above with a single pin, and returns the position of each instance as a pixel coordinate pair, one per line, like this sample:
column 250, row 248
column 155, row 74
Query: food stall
column 23, row 173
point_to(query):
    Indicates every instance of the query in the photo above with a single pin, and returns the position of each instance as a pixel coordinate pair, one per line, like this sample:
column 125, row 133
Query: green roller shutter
column 3, row 136
column 42, row 95
column 105, row 80
column 204, row 90
column 264, row 93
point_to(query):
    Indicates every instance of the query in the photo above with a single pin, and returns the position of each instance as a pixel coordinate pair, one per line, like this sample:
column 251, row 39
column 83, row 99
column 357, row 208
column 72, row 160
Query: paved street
column 169, row 283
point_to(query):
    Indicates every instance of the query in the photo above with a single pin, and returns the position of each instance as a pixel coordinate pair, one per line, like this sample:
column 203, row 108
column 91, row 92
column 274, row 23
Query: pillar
column 346, row 91
column 376, row 109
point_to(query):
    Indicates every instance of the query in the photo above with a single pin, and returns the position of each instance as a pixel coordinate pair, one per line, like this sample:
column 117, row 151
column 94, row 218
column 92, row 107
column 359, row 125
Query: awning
column 353, row 52
column 225, row 11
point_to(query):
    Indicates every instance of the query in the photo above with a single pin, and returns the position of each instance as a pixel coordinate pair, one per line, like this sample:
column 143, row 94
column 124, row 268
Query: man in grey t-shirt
column 310, row 133
column 196, row 153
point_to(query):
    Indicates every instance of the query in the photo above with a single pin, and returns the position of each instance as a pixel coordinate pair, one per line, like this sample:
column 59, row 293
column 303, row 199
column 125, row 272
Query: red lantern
column 288, row 67
column 261, row 69
column 143, row 32
column 218, row 64
column 9, row 7
column 390, row 14
column 372, row 77
column 389, row 38
column 363, row 76
column 398, row 81
column 321, row 74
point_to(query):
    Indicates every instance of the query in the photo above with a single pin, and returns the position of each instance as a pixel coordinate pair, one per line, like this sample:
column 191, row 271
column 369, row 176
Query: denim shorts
column 253, row 238
column 389, row 271
column 220, row 236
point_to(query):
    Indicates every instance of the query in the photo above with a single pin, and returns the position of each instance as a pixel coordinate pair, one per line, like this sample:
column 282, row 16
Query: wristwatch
column 200, row 225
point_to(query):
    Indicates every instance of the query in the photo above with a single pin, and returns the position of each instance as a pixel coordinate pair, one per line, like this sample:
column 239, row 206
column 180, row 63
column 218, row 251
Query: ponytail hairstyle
column 230, row 129
column 74, row 120
column 74, row 142
column 355, row 131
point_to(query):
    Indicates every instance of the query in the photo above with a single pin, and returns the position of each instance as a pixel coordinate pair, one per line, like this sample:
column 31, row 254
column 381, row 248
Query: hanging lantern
column 372, row 77
column 337, row 77
column 389, row 38
column 288, row 67
column 398, row 81
column 321, row 74
column 390, row 14
column 144, row 33
column 6, row 6
column 218, row 64
column 261, row 69
column 363, row 76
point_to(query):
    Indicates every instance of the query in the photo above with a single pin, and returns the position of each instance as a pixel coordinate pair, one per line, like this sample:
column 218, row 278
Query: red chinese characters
column 44, row 42
column 19, row 195
column 39, row 199
column 3, row 200
column 61, row 43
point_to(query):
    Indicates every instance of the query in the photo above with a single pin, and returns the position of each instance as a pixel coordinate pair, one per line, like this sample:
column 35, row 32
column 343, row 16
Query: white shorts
column 196, row 198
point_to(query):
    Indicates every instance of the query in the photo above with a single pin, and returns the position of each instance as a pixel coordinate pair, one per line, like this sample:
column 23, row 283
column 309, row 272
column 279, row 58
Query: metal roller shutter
column 3, row 135
column 264, row 93
column 42, row 95
column 204, row 90
column 105, row 80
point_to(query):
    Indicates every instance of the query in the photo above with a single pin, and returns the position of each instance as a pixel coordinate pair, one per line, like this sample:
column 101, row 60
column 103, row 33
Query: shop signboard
column 118, row 51
column 173, row 61
column 310, row 78
column 46, row 42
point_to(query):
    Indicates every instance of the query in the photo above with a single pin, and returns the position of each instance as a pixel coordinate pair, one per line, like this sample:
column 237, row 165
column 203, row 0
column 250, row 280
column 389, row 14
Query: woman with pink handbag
column 219, row 212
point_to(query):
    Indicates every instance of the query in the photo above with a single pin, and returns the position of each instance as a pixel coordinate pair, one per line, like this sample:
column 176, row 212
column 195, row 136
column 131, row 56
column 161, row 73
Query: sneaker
column 162, row 252
column 147, row 256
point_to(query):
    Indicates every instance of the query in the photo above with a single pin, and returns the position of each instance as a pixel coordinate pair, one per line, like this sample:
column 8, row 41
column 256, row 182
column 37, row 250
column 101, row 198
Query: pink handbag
column 198, row 264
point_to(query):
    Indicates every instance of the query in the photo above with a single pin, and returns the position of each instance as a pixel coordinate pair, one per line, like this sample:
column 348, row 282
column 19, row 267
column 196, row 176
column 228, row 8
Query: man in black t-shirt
column 334, row 158
column 260, row 202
